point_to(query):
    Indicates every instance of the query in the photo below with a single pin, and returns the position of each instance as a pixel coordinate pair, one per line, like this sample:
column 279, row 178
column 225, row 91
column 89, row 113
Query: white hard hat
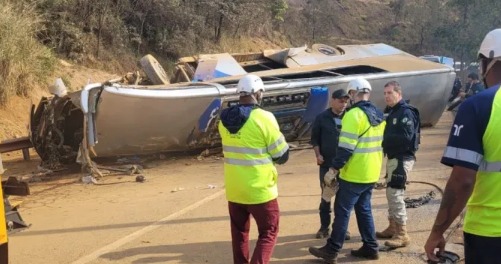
column 491, row 45
column 490, row 49
column 250, row 84
column 360, row 85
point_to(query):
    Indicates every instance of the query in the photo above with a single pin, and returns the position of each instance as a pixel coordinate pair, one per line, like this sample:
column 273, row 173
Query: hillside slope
column 14, row 116
column 340, row 21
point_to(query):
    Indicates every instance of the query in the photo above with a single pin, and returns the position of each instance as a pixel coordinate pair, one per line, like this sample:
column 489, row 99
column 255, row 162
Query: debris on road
column 140, row 178
column 177, row 189
column 417, row 202
column 89, row 179
column 130, row 169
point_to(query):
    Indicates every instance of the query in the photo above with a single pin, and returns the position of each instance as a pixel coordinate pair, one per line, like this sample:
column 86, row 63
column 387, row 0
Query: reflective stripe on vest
column 244, row 150
column 474, row 158
column 255, row 151
column 363, row 140
column 275, row 145
column 348, row 135
column 463, row 155
column 368, row 150
column 490, row 166
column 371, row 139
column 252, row 162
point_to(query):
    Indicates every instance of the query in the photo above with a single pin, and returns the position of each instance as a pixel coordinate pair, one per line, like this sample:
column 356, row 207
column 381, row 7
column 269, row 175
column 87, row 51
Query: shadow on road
column 289, row 249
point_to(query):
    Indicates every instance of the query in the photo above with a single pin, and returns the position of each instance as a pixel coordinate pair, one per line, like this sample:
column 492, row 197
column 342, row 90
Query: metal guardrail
column 14, row 144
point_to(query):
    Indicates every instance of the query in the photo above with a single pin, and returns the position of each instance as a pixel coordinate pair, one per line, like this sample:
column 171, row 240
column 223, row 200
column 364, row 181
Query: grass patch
column 67, row 82
column 24, row 62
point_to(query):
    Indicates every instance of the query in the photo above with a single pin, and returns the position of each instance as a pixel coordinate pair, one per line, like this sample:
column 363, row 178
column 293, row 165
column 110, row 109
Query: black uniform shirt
column 325, row 134
column 401, row 134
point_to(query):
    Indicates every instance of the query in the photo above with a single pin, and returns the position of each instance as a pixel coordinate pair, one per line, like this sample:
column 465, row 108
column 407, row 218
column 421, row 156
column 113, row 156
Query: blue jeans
column 353, row 195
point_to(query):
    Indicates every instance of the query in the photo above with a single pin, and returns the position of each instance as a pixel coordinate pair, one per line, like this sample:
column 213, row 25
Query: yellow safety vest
column 249, row 173
column 364, row 166
column 483, row 214
column 3, row 224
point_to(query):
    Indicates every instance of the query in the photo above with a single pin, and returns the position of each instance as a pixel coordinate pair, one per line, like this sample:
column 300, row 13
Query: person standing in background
column 400, row 143
column 358, row 160
column 324, row 139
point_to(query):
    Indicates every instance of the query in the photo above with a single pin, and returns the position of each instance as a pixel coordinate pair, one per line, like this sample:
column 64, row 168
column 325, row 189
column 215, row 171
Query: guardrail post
column 26, row 153
column 1, row 165
column 22, row 143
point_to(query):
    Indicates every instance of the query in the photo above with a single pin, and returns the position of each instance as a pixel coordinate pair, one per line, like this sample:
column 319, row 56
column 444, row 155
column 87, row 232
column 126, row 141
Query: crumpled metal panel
column 142, row 125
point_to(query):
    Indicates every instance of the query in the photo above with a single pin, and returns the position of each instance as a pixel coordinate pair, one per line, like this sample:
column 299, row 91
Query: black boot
column 347, row 236
column 322, row 233
column 325, row 253
column 365, row 252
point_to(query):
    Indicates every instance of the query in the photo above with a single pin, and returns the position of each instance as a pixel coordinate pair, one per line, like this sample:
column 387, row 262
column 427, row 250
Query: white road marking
column 122, row 241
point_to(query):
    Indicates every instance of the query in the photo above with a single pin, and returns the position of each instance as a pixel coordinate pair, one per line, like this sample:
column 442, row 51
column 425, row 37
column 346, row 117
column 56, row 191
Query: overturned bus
column 137, row 115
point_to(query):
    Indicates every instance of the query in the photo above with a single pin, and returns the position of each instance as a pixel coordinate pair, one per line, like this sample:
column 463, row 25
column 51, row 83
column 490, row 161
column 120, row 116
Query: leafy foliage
column 111, row 34
column 174, row 28
column 23, row 60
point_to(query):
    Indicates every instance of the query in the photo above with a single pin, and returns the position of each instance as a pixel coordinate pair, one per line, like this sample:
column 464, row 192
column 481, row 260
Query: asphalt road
column 179, row 214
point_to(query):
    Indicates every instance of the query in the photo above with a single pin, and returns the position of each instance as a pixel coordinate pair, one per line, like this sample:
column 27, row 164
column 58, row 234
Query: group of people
column 472, row 87
column 460, row 93
column 349, row 146
column 349, row 149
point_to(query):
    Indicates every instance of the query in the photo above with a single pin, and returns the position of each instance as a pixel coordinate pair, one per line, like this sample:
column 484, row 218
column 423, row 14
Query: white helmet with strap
column 250, row 84
column 490, row 51
column 360, row 85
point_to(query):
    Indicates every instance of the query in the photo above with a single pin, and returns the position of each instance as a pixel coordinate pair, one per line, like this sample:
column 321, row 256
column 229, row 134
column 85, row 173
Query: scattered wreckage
column 13, row 220
column 136, row 114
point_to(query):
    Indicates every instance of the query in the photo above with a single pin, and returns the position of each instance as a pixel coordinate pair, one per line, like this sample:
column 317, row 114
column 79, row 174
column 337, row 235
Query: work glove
column 328, row 192
column 330, row 178
column 398, row 177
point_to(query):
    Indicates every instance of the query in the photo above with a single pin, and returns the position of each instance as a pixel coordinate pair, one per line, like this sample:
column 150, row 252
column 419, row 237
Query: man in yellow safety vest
column 358, row 161
column 474, row 153
column 252, row 145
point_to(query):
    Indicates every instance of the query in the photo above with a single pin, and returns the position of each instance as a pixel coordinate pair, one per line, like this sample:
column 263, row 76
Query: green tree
column 279, row 9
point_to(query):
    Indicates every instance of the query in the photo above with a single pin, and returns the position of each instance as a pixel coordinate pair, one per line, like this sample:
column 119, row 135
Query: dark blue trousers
column 353, row 196
column 481, row 250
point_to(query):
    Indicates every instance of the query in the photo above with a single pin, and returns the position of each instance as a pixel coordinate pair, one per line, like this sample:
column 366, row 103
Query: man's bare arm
column 318, row 155
column 456, row 194
column 317, row 151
